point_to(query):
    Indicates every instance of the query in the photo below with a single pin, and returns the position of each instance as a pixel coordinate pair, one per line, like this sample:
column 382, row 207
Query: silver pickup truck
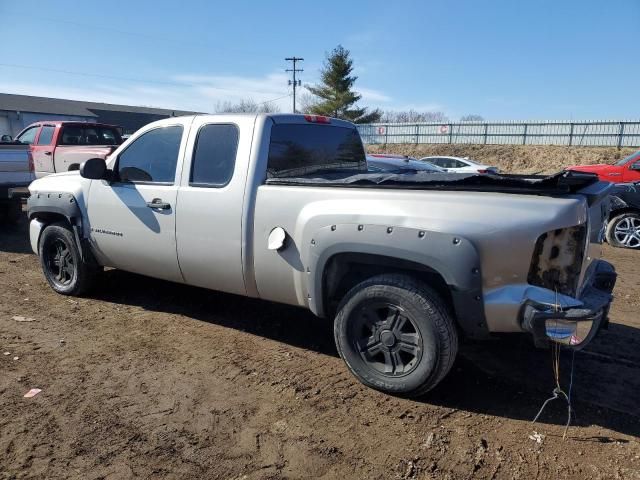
column 283, row 208
column 16, row 172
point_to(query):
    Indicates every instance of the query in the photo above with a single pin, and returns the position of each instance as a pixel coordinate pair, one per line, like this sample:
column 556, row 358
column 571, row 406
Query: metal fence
column 602, row 133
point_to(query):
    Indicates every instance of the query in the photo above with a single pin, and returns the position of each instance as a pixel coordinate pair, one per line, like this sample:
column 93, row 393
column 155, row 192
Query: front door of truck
column 210, row 224
column 133, row 217
column 43, row 149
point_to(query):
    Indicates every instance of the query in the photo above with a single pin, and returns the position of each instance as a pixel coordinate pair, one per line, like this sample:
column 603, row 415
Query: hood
column 54, row 180
column 591, row 168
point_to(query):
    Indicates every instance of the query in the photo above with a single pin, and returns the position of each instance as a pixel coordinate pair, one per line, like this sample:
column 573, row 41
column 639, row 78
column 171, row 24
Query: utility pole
column 294, row 82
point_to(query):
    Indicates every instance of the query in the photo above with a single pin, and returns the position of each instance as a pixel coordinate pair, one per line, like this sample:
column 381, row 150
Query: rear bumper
column 8, row 192
column 575, row 326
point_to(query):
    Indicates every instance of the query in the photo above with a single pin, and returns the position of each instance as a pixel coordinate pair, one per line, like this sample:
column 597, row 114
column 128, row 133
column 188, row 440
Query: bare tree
column 305, row 102
column 472, row 117
column 413, row 116
column 246, row 105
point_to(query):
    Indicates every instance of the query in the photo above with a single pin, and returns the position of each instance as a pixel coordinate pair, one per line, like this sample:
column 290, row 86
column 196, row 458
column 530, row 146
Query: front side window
column 28, row 136
column 214, row 155
column 46, row 135
column 152, row 157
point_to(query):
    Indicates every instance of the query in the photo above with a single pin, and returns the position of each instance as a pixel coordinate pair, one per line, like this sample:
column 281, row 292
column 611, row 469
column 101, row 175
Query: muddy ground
column 148, row 379
column 514, row 158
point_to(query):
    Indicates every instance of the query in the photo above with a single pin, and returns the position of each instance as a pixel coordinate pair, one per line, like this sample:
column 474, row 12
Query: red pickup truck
column 58, row 146
column 625, row 171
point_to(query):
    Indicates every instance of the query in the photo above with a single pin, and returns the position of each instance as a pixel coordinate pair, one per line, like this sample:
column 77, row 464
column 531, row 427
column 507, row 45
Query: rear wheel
column 62, row 263
column 396, row 335
column 624, row 230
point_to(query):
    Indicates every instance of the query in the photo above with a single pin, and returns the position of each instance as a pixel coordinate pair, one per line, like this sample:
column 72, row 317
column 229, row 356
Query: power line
column 130, row 79
column 295, row 83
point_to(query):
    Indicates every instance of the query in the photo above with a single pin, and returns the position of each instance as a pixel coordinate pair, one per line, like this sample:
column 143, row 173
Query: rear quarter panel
column 501, row 228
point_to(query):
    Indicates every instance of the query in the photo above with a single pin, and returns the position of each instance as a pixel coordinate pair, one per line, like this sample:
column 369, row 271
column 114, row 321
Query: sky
column 502, row 59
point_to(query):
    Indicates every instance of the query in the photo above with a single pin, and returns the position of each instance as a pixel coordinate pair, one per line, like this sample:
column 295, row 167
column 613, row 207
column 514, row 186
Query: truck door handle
column 47, row 153
column 159, row 204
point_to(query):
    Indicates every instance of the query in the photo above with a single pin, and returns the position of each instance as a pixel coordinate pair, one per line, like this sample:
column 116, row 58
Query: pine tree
column 337, row 99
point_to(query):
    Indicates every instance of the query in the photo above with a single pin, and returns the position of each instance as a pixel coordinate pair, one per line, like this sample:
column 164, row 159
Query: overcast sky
column 507, row 59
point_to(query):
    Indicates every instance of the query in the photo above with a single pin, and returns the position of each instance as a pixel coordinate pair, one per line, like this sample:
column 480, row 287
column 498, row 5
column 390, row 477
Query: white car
column 459, row 165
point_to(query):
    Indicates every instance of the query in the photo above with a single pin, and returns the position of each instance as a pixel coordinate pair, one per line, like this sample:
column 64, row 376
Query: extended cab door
column 133, row 217
column 210, row 203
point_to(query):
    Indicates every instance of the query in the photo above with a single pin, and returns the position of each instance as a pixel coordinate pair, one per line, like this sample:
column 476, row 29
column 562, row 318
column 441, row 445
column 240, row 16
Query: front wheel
column 624, row 231
column 396, row 335
column 62, row 263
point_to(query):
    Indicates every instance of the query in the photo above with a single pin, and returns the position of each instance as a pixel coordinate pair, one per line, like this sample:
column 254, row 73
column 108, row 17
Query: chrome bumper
column 575, row 326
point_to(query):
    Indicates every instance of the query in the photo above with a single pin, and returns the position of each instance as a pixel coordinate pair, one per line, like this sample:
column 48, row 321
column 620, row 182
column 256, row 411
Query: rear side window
column 299, row 149
column 89, row 135
column 28, row 136
column 152, row 157
column 46, row 135
column 214, row 156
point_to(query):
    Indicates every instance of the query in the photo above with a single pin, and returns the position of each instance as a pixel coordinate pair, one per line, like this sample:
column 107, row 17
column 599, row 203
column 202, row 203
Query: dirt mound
column 514, row 158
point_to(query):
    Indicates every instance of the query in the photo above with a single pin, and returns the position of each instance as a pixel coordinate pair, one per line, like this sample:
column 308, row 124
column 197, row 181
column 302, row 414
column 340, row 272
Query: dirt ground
column 148, row 379
column 514, row 158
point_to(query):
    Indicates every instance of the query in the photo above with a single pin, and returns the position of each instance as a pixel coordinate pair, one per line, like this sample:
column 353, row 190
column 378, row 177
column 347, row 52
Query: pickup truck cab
column 624, row 171
column 58, row 146
column 282, row 208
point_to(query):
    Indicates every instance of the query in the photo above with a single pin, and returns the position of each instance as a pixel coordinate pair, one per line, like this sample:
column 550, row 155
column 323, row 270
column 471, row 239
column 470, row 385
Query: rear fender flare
column 452, row 256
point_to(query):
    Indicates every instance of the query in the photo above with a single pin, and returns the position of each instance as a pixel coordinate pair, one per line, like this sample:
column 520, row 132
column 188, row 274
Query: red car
column 626, row 170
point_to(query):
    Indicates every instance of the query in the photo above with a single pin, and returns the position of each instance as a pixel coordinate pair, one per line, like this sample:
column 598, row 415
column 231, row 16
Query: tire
column 58, row 245
column 624, row 231
column 396, row 335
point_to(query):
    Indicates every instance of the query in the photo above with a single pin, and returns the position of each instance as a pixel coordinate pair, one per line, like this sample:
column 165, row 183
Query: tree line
column 336, row 97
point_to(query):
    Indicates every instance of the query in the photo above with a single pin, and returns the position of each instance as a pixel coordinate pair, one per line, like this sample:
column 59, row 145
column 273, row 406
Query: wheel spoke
column 409, row 339
column 388, row 362
column 399, row 325
column 398, row 363
column 392, row 317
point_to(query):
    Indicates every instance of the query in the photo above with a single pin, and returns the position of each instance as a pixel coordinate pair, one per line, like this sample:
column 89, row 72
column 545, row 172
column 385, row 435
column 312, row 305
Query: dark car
column 398, row 163
column 623, row 229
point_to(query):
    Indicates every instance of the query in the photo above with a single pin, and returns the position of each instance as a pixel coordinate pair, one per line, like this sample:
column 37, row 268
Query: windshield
column 300, row 149
column 628, row 158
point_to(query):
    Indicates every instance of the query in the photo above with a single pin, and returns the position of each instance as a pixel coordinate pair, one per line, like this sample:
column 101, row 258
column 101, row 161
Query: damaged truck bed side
column 282, row 207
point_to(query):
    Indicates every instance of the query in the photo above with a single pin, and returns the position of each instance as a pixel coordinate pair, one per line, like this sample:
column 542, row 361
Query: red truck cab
column 58, row 146
column 624, row 171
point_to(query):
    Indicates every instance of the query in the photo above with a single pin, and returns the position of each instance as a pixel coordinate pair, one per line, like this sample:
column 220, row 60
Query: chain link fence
column 601, row 133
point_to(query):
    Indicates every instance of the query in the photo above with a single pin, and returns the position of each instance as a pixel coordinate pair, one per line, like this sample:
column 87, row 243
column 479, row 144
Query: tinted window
column 436, row 161
column 89, row 135
column 152, row 157
column 214, row 155
column 46, row 135
column 298, row 149
column 28, row 136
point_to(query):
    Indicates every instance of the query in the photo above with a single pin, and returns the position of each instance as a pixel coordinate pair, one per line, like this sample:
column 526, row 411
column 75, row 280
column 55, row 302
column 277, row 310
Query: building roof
column 60, row 106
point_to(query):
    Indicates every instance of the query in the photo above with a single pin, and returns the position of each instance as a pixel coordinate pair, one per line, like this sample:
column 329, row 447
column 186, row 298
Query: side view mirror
column 6, row 138
column 635, row 166
column 94, row 169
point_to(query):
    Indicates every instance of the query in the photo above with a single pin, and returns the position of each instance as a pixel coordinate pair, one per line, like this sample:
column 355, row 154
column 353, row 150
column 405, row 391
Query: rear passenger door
column 209, row 215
